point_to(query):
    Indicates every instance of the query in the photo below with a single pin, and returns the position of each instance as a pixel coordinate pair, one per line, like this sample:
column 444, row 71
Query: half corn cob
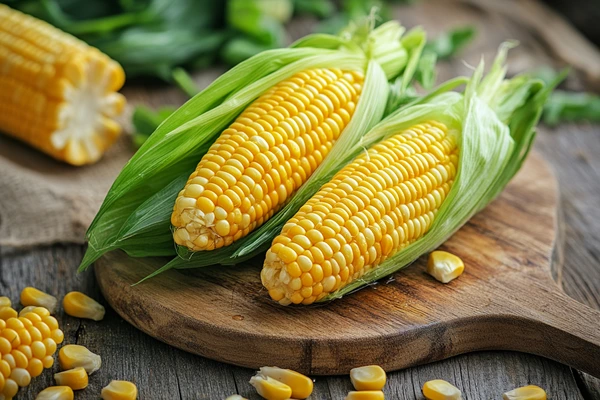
column 58, row 94
column 252, row 148
column 428, row 168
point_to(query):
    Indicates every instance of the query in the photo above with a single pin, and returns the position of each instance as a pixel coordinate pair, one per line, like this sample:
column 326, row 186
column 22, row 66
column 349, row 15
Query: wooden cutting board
column 505, row 300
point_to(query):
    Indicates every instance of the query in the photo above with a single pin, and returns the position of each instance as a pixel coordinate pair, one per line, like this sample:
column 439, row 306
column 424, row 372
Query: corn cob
column 383, row 201
column 58, row 94
column 258, row 163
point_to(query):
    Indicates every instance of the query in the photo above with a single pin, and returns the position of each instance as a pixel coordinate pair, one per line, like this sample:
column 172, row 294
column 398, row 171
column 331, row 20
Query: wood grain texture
column 506, row 300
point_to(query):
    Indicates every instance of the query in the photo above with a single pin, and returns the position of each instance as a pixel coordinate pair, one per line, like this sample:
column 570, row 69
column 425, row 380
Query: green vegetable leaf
column 450, row 43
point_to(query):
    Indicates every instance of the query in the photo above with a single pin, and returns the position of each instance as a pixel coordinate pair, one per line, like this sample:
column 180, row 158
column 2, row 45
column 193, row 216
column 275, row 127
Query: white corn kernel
column 74, row 355
column 235, row 397
column 530, row 392
column 370, row 377
column 444, row 266
column 439, row 389
column 21, row 376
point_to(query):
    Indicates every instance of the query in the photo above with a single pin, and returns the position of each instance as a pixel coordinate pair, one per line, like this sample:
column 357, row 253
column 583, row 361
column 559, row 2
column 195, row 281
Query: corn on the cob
column 56, row 393
column 530, row 392
column 370, row 377
column 374, row 207
column 258, row 163
column 119, row 390
column 58, row 94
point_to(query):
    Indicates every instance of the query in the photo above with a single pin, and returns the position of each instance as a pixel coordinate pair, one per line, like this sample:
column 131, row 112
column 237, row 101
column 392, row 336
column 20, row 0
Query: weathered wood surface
column 226, row 315
column 163, row 372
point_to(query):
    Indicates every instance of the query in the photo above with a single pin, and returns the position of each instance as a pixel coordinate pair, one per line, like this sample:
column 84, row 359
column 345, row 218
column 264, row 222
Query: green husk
column 494, row 121
column 135, row 215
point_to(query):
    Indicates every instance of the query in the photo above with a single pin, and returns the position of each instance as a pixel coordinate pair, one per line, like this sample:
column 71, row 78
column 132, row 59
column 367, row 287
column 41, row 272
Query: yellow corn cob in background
column 258, row 163
column 57, row 93
column 374, row 207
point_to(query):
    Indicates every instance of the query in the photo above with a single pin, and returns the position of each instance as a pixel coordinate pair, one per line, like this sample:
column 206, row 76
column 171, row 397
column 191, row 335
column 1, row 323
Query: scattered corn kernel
column 75, row 378
column 73, row 356
column 302, row 386
column 5, row 302
column 370, row 377
column 8, row 312
column 366, row 395
column 119, row 390
column 271, row 389
column 79, row 305
column 235, row 397
column 34, row 297
column 530, row 392
column 21, row 376
column 439, row 389
column 444, row 266
column 56, row 393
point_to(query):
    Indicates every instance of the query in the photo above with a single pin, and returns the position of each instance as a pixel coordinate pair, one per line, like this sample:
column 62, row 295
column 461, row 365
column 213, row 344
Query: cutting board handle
column 563, row 329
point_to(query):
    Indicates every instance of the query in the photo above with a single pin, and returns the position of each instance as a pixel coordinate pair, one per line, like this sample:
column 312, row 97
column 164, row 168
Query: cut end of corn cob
column 79, row 305
column 439, row 389
column 74, row 356
column 370, row 377
column 75, row 378
column 374, row 207
column 56, row 393
column 444, row 266
column 366, row 395
column 530, row 392
column 258, row 163
column 119, row 390
column 58, row 94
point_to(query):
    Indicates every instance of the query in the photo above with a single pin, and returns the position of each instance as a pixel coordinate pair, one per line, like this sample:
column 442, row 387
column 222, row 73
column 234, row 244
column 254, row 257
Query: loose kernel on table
column 444, row 266
column 73, row 356
column 75, row 378
column 33, row 297
column 366, row 395
column 79, row 305
column 235, row 397
column 270, row 388
column 301, row 385
column 530, row 392
column 439, row 389
column 119, row 390
column 370, row 377
column 56, row 393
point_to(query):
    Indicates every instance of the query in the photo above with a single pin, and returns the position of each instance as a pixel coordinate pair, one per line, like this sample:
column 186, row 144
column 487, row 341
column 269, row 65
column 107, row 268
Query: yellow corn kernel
column 26, row 310
column 374, row 207
column 235, row 397
column 5, row 301
column 366, row 395
column 50, row 346
column 270, row 388
column 21, row 360
column 58, row 336
column 10, row 388
column 8, row 312
column 73, row 356
column 77, row 304
column 34, row 297
column 530, row 392
column 370, row 377
column 444, row 266
column 75, row 378
column 38, row 349
column 21, row 376
column 48, row 362
column 5, row 368
column 263, row 157
column 35, row 367
column 59, row 94
column 56, row 393
column 302, row 386
column 119, row 390
column 441, row 390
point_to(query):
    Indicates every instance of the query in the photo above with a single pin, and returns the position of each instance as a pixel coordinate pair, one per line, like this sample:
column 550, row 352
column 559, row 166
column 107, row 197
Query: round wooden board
column 225, row 314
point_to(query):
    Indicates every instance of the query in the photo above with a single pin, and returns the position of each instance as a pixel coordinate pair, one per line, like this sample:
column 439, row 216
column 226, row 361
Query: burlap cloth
column 43, row 201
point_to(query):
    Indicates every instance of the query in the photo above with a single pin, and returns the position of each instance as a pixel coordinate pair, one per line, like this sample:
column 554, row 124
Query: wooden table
column 162, row 372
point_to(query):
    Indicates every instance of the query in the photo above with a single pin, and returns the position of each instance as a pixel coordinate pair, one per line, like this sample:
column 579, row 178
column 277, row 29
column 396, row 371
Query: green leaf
column 450, row 43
